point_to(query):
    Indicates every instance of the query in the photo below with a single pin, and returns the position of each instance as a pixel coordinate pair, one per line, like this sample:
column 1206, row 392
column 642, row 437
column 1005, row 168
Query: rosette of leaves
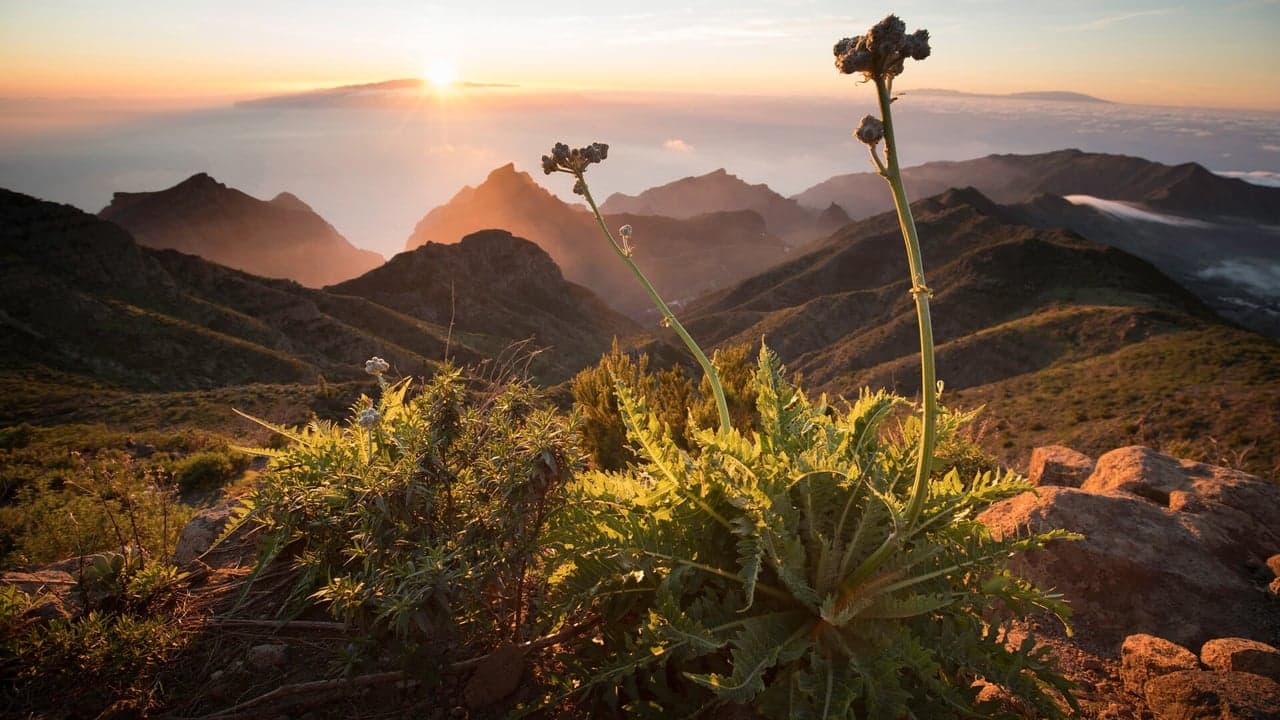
column 778, row 571
column 423, row 525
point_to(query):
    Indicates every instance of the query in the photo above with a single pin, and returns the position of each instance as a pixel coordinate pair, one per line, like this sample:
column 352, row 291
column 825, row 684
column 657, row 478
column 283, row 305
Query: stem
column 919, row 291
column 712, row 376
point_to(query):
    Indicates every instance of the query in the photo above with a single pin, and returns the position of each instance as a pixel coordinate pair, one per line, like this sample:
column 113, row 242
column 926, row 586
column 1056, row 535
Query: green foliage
column 208, row 470
column 88, row 504
column 778, row 570
column 669, row 392
column 421, row 519
column 84, row 664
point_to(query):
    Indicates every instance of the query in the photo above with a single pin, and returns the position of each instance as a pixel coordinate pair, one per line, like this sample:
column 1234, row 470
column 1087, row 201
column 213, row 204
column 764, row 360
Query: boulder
column 1242, row 655
column 200, row 532
column 1210, row 695
column 1058, row 465
column 1144, row 657
column 1235, row 514
column 267, row 656
column 497, row 676
column 51, row 592
column 1137, row 570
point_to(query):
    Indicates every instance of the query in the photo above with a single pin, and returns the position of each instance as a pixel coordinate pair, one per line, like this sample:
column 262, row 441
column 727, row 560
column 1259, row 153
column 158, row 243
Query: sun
column 441, row 73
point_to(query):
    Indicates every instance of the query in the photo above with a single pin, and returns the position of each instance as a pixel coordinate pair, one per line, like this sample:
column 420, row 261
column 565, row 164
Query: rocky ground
column 1175, row 588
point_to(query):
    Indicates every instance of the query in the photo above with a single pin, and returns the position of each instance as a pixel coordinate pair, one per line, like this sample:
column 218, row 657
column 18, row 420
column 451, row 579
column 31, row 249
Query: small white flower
column 368, row 418
column 376, row 366
column 625, row 233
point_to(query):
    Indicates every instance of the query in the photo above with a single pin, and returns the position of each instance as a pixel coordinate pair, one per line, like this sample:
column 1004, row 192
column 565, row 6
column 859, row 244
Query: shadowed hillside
column 282, row 238
column 1013, row 305
column 81, row 297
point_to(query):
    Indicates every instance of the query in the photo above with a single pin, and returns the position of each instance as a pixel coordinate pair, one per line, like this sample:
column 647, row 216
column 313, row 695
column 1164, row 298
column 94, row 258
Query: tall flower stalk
column 575, row 162
column 879, row 56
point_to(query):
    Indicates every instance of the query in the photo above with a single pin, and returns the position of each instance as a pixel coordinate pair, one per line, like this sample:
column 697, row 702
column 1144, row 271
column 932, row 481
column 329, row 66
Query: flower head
column 624, row 232
column 870, row 130
column 368, row 418
column 376, row 366
column 574, row 161
column 880, row 53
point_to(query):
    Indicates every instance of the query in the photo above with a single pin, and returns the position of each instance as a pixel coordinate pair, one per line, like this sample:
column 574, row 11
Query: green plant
column 813, row 569
column 780, row 571
column 208, row 470
column 421, row 519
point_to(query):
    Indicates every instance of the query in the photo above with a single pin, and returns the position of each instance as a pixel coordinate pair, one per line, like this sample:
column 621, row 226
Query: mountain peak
column 290, row 201
column 201, row 180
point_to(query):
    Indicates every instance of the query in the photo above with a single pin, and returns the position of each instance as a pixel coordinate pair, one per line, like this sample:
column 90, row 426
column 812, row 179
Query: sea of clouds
column 373, row 168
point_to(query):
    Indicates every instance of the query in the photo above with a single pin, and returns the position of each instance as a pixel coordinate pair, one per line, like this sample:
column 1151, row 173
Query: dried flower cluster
column 870, row 130
column 376, row 366
column 368, row 418
column 882, row 51
column 574, row 161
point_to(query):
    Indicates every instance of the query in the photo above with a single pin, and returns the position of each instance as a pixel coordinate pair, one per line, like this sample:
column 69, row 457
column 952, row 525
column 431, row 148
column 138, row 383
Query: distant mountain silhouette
column 1055, row 95
column 1015, row 305
column 684, row 257
column 282, row 238
column 1187, row 189
column 80, row 296
column 714, row 192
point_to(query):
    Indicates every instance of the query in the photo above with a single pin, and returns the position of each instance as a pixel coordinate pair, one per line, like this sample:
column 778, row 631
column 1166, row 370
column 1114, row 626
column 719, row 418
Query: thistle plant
column 575, row 162
column 816, row 567
column 879, row 56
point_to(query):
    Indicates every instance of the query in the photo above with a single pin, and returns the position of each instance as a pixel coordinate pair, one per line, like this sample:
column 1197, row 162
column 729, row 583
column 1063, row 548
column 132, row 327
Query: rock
column 1058, row 465
column 1209, row 695
column 51, row 592
column 1242, row 655
column 1144, row 657
column 267, row 656
column 1139, row 569
column 1273, row 563
column 1237, row 515
column 496, row 677
column 200, row 532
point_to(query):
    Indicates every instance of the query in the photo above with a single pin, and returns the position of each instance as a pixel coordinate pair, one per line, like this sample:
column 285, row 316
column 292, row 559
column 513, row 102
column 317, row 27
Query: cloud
column 1255, row 177
column 678, row 145
column 1257, row 277
column 1130, row 211
column 1103, row 23
column 1271, row 148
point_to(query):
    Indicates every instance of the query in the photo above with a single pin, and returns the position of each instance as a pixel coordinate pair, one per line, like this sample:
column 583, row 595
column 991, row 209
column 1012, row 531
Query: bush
column 782, row 571
column 421, row 520
column 208, row 470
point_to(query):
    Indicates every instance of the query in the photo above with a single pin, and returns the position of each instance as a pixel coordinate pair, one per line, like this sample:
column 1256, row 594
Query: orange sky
column 166, row 53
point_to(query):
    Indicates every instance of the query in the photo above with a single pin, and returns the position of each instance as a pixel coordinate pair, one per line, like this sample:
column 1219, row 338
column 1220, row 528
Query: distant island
column 1055, row 95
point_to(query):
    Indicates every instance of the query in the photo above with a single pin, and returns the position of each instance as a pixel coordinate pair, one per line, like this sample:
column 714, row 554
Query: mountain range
column 1112, row 314
column 282, row 237
column 684, row 256
column 79, row 295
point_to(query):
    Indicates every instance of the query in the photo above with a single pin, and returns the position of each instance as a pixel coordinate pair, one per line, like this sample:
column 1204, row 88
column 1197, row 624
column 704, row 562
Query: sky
column 160, row 52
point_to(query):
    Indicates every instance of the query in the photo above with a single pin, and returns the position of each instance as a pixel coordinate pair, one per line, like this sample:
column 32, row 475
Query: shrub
column 421, row 519
column 208, row 470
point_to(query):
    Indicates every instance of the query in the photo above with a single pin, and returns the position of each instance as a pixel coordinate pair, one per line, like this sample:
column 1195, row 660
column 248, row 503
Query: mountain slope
column 496, row 284
column 79, row 296
column 683, row 257
column 714, row 192
column 281, row 238
column 1013, row 305
column 1187, row 189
